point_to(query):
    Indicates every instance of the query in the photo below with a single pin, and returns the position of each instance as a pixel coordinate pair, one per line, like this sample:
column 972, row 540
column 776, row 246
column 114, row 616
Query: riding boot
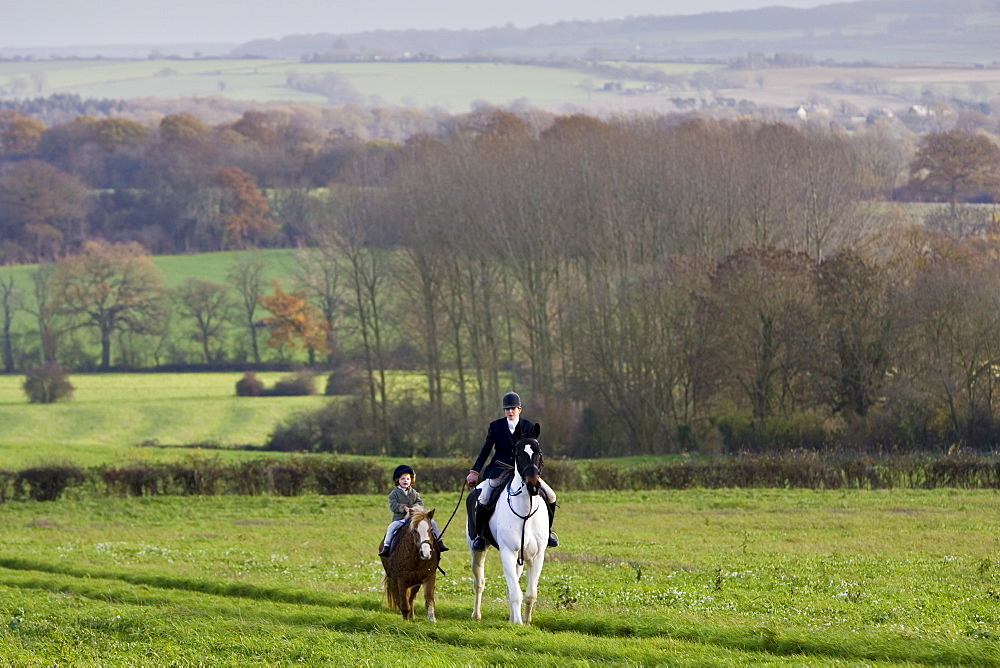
column 441, row 546
column 553, row 538
column 482, row 521
column 384, row 552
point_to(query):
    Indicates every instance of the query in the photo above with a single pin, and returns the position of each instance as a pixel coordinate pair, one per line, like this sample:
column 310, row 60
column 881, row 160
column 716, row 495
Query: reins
column 461, row 493
column 524, row 518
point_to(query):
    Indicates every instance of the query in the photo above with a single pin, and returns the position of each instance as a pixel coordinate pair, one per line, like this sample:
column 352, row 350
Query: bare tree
column 758, row 318
column 110, row 288
column 247, row 276
column 857, row 331
column 207, row 308
column 10, row 303
column 368, row 272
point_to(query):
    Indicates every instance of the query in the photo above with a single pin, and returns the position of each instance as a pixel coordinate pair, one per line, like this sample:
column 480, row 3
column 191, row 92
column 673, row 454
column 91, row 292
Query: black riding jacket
column 501, row 443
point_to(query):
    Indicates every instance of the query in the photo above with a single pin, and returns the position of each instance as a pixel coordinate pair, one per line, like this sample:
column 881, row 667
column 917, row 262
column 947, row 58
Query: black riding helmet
column 400, row 470
column 511, row 400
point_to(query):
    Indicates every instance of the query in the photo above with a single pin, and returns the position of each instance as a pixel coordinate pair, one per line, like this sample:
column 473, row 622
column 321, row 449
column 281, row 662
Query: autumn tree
column 182, row 127
column 294, row 321
column 19, row 134
column 41, row 207
column 113, row 133
column 206, row 308
column 110, row 288
column 244, row 210
column 955, row 164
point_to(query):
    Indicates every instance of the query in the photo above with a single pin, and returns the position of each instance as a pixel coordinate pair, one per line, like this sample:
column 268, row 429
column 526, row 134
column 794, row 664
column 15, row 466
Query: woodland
column 653, row 284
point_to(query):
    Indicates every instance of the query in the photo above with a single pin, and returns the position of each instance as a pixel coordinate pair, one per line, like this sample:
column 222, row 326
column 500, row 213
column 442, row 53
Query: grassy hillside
column 111, row 414
column 691, row 578
column 455, row 87
column 447, row 85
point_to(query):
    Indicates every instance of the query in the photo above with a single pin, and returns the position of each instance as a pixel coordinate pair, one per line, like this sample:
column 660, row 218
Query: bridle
column 531, row 469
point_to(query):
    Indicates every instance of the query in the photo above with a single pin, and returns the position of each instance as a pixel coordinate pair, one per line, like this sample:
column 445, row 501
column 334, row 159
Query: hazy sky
column 50, row 23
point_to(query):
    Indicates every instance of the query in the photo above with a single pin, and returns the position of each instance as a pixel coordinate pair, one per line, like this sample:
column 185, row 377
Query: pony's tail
column 391, row 594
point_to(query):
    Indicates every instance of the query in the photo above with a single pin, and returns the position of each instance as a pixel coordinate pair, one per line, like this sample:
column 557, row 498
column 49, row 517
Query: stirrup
column 478, row 543
column 553, row 539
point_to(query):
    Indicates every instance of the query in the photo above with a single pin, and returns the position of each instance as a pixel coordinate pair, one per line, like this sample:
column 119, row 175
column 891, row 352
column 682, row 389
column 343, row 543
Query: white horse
column 520, row 526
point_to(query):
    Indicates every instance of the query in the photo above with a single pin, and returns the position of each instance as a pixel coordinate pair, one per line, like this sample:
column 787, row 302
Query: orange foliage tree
column 244, row 209
column 19, row 133
column 294, row 321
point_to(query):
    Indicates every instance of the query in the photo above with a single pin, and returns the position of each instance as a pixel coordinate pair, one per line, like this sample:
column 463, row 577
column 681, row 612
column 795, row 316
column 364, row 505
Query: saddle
column 473, row 507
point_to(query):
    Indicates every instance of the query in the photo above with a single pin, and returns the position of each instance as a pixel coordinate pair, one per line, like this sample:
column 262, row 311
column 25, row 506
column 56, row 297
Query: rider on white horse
column 500, row 440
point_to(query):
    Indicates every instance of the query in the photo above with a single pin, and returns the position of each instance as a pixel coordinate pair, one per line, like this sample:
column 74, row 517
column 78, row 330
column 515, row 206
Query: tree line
column 651, row 285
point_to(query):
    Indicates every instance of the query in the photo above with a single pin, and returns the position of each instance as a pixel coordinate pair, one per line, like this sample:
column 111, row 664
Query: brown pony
column 413, row 562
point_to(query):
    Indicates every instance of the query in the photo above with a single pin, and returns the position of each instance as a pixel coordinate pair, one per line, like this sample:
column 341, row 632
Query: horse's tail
column 391, row 593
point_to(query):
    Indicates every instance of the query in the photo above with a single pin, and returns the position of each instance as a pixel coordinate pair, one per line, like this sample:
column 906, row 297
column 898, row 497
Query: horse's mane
column 417, row 515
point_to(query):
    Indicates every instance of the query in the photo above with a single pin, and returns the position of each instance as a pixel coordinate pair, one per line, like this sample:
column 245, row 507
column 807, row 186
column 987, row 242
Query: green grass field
column 111, row 414
column 721, row 577
column 447, row 85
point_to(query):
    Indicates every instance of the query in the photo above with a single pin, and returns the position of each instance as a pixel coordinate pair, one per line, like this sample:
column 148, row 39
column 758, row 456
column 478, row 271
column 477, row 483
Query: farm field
column 111, row 414
column 451, row 86
column 695, row 577
column 456, row 87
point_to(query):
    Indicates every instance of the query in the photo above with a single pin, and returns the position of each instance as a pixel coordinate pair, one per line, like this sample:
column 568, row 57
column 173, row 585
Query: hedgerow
column 325, row 475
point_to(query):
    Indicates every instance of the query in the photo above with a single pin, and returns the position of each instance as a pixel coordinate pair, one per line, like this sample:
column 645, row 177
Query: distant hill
column 884, row 31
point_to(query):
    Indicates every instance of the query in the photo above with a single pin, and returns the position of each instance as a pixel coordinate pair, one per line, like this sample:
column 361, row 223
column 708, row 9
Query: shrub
column 47, row 384
column 47, row 483
column 249, row 385
column 344, row 380
column 333, row 428
column 779, row 433
column 138, row 480
column 299, row 384
column 287, row 478
column 198, row 476
column 335, row 476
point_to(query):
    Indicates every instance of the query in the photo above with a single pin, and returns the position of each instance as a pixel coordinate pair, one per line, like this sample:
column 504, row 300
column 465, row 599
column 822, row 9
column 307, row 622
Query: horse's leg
column 413, row 596
column 512, row 572
column 405, row 605
column 429, row 596
column 478, row 582
column 534, row 571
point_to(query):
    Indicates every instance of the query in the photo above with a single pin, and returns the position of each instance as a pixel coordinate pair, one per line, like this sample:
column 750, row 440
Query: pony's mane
column 417, row 515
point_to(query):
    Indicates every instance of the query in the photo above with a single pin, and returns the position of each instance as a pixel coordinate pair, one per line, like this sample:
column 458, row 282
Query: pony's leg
column 413, row 596
column 429, row 597
column 478, row 581
column 534, row 571
column 512, row 573
column 405, row 601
